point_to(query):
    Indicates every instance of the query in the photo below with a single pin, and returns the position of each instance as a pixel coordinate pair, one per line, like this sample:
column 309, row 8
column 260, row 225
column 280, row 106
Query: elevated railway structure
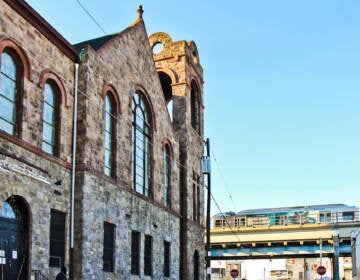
column 288, row 232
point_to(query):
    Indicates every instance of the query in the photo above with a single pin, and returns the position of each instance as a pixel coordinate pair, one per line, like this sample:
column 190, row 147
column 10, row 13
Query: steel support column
column 336, row 271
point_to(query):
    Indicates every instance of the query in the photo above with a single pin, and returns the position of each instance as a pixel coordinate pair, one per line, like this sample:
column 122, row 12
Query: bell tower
column 181, row 78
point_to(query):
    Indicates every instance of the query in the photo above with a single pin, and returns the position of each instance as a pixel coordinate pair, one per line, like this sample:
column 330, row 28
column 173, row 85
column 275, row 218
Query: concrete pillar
column 336, row 270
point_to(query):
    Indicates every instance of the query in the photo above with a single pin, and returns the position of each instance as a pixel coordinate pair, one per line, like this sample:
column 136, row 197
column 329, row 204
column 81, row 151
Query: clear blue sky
column 282, row 90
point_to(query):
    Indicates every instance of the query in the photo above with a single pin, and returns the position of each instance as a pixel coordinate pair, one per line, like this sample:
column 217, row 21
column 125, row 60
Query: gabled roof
column 96, row 43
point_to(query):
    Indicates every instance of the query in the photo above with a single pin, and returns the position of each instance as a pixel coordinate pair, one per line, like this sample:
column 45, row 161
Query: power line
column 223, row 180
column 226, row 221
column 91, row 16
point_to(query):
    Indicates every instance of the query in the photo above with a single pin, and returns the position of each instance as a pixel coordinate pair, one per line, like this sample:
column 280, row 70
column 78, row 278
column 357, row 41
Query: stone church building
column 100, row 148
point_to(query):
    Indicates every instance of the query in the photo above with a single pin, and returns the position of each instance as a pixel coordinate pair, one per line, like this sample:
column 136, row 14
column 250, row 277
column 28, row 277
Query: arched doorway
column 14, row 239
column 196, row 265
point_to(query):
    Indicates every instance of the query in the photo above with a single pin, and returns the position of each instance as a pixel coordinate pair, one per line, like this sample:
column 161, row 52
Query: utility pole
column 207, row 170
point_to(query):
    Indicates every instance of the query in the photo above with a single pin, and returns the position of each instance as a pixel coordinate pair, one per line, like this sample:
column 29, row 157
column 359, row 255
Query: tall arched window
column 50, row 132
column 195, row 107
column 9, row 92
column 141, row 145
column 110, row 151
column 167, row 176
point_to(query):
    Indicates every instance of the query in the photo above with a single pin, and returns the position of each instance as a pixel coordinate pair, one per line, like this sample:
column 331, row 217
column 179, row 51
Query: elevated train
column 282, row 216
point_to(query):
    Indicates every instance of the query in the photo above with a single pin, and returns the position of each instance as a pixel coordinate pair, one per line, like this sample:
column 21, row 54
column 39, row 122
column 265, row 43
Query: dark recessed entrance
column 14, row 248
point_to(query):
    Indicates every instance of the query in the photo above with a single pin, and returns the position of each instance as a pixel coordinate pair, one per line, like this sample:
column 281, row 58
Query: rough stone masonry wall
column 123, row 63
column 35, row 185
column 105, row 201
column 24, row 169
column 180, row 61
column 42, row 55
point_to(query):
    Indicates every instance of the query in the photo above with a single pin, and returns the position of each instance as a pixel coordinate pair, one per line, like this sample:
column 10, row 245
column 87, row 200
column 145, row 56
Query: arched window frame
column 168, row 158
column 142, row 138
column 12, row 120
column 49, row 78
column 171, row 78
column 50, row 119
column 110, row 96
column 23, row 70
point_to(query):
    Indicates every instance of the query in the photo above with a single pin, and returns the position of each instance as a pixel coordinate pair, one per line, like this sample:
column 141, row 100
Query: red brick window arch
column 110, row 151
column 10, row 92
column 54, row 95
column 112, row 109
column 50, row 119
column 142, row 133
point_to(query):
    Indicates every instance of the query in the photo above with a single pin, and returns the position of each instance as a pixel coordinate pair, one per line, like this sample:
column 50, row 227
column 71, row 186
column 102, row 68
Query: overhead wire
column 179, row 164
column 91, row 16
column 222, row 214
column 223, row 179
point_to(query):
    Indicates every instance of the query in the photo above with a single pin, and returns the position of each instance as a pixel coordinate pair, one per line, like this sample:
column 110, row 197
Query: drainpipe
column 74, row 156
column 73, row 169
column 73, row 166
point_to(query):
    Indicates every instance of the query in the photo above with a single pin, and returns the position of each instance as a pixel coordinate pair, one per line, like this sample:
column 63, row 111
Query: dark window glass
column 141, row 146
column 109, row 137
column 196, row 265
column 348, row 216
column 11, row 210
column 109, row 247
column 49, row 136
column 196, row 197
column 8, row 93
column 325, row 217
column 166, row 259
column 167, row 176
column 57, row 239
column 148, row 255
column 135, row 252
column 198, row 203
column 220, row 223
column 195, row 107
column 194, row 202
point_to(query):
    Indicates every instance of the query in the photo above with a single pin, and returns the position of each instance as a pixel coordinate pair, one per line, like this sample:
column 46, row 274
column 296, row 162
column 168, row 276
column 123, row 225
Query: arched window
column 195, row 107
column 167, row 176
column 196, row 265
column 141, row 145
column 50, row 132
column 9, row 92
column 110, row 150
column 166, row 85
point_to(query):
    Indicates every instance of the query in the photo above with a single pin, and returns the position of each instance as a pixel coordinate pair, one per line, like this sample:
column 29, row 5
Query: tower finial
column 140, row 12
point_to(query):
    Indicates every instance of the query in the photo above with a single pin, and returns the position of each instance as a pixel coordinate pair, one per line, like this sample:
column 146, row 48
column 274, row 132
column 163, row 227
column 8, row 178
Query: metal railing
column 270, row 220
column 39, row 276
